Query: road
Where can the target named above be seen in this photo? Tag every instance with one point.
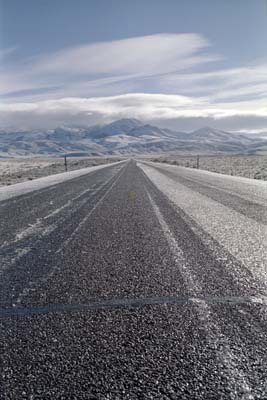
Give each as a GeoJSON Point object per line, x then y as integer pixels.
{"type": "Point", "coordinates": [135, 281]}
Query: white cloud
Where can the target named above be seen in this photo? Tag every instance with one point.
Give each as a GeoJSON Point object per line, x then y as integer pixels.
{"type": "Point", "coordinates": [143, 55]}
{"type": "Point", "coordinates": [228, 83]}
{"type": "Point", "coordinates": [139, 105]}
{"type": "Point", "coordinates": [99, 82]}
{"type": "Point", "coordinates": [134, 58]}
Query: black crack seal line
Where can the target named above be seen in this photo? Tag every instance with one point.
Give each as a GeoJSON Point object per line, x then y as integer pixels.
{"type": "Point", "coordinates": [128, 303]}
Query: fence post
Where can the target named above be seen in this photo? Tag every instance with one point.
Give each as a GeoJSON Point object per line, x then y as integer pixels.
{"type": "Point", "coordinates": [197, 161]}
{"type": "Point", "coordinates": [65, 163]}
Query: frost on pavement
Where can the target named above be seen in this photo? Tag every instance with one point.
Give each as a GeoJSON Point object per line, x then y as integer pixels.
{"type": "Point", "coordinates": [18, 189]}
{"type": "Point", "coordinates": [242, 236]}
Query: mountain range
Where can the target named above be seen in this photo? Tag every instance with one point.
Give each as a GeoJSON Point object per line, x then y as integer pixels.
{"type": "Point", "coordinates": [125, 136]}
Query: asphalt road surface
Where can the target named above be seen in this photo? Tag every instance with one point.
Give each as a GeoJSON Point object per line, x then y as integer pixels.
{"type": "Point", "coordinates": [135, 281]}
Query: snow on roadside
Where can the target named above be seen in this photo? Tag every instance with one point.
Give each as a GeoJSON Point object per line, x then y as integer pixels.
{"type": "Point", "coordinates": [18, 165]}
{"type": "Point", "coordinates": [247, 188]}
{"type": "Point", "coordinates": [18, 189]}
{"type": "Point", "coordinates": [241, 236]}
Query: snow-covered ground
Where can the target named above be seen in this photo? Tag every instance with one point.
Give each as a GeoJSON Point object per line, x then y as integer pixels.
{"type": "Point", "coordinates": [17, 165]}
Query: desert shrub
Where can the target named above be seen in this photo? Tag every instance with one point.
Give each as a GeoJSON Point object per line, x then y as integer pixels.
{"type": "Point", "coordinates": [258, 175]}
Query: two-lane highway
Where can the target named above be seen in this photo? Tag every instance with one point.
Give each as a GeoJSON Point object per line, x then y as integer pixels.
{"type": "Point", "coordinates": [135, 281]}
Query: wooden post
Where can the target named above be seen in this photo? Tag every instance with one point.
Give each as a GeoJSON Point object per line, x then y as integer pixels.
{"type": "Point", "coordinates": [65, 163]}
{"type": "Point", "coordinates": [197, 161]}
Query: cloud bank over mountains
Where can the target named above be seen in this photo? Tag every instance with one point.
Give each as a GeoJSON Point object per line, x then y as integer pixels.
{"type": "Point", "coordinates": [174, 78]}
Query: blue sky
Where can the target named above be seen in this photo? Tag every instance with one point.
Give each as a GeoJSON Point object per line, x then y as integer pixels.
{"type": "Point", "coordinates": [177, 63]}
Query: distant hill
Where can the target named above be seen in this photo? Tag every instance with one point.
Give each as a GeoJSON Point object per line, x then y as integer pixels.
{"type": "Point", "coordinates": [125, 136]}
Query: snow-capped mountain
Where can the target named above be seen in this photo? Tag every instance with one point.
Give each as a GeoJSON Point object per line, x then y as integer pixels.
{"type": "Point", "coordinates": [124, 136]}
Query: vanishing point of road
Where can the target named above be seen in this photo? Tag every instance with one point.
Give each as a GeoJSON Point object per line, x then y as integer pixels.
{"type": "Point", "coordinates": [135, 280]}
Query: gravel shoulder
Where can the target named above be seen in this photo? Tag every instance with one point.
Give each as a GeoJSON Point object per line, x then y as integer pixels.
{"type": "Point", "coordinates": [249, 166]}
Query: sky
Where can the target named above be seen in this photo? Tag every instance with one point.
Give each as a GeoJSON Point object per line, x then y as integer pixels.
{"type": "Point", "coordinates": [182, 64]}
